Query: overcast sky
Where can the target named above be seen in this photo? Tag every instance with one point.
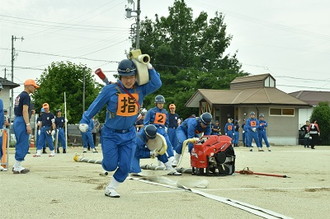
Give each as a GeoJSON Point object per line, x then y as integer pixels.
{"type": "Point", "coordinates": [289, 39]}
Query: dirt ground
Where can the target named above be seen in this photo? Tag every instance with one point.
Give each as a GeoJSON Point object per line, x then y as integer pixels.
{"type": "Point", "coordinates": [59, 187]}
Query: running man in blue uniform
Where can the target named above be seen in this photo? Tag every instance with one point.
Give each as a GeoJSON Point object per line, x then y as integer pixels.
{"type": "Point", "coordinates": [123, 100]}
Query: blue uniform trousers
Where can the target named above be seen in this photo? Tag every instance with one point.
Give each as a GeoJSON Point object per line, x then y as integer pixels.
{"type": "Point", "coordinates": [117, 151]}
{"type": "Point", "coordinates": [250, 136]}
{"type": "Point", "coordinates": [236, 138]}
{"type": "Point", "coordinates": [172, 136]}
{"type": "Point", "coordinates": [135, 165]}
{"type": "Point", "coordinates": [263, 135]}
{"type": "Point", "coordinates": [45, 137]}
{"type": "Point", "coordinates": [61, 138]}
{"type": "Point", "coordinates": [22, 138]}
{"type": "Point", "coordinates": [182, 136]}
{"type": "Point", "coordinates": [87, 138]}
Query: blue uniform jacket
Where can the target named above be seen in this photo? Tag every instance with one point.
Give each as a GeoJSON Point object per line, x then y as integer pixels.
{"type": "Point", "coordinates": [109, 96]}
{"type": "Point", "coordinates": [192, 128]}
{"type": "Point", "coordinates": [262, 125]}
{"type": "Point", "coordinates": [251, 123]}
{"type": "Point", "coordinates": [150, 117]}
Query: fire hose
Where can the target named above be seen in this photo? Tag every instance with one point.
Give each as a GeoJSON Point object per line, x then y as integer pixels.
{"type": "Point", "coordinates": [247, 171]}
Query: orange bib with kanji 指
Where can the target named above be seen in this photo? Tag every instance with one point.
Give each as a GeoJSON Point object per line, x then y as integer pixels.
{"type": "Point", "coordinates": [127, 105]}
{"type": "Point", "coordinates": [160, 118]}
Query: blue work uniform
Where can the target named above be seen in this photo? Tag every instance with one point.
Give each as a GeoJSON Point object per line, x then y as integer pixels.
{"type": "Point", "coordinates": [229, 130]}
{"type": "Point", "coordinates": [21, 135]}
{"type": "Point", "coordinates": [172, 126]}
{"type": "Point", "coordinates": [262, 132]}
{"type": "Point", "coordinates": [59, 122]}
{"type": "Point", "coordinates": [244, 134]}
{"type": "Point", "coordinates": [118, 133]}
{"type": "Point", "coordinates": [190, 128]}
{"type": "Point", "coordinates": [251, 127]}
{"type": "Point", "coordinates": [2, 122]}
{"type": "Point", "coordinates": [236, 134]}
{"type": "Point", "coordinates": [142, 151]}
{"type": "Point", "coordinates": [215, 129]}
{"type": "Point", "coordinates": [87, 137]}
{"type": "Point", "coordinates": [47, 120]}
{"type": "Point", "coordinates": [159, 118]}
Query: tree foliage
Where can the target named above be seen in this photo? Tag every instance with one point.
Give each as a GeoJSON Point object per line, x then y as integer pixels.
{"type": "Point", "coordinates": [321, 114]}
{"type": "Point", "coordinates": [189, 53]}
{"type": "Point", "coordinates": [67, 77]}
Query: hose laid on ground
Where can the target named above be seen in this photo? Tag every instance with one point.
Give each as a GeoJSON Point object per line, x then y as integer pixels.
{"type": "Point", "coordinates": [247, 171]}
{"type": "Point", "coordinates": [265, 213]}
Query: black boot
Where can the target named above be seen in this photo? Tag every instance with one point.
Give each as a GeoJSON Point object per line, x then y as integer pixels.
{"type": "Point", "coordinates": [64, 151]}
{"type": "Point", "coordinates": [44, 151]}
{"type": "Point", "coordinates": [58, 150]}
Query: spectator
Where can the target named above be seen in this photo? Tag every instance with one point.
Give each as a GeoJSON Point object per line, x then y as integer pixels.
{"type": "Point", "coordinates": [314, 131]}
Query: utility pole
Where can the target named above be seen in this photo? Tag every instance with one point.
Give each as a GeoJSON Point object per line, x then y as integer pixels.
{"type": "Point", "coordinates": [137, 15]}
{"type": "Point", "coordinates": [13, 38]}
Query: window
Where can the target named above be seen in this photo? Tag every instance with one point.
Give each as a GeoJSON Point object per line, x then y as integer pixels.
{"type": "Point", "coordinates": [269, 82]}
{"type": "Point", "coordinates": [281, 112]}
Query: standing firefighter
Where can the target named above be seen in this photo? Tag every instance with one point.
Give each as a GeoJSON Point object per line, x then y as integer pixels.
{"type": "Point", "coordinates": [252, 132]}
{"type": "Point", "coordinates": [22, 127]}
{"type": "Point", "coordinates": [47, 130]}
{"type": "Point", "coordinates": [123, 100]}
{"type": "Point", "coordinates": [60, 123]}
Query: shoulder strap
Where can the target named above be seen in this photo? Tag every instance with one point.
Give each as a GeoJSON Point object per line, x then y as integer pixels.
{"type": "Point", "coordinates": [129, 94]}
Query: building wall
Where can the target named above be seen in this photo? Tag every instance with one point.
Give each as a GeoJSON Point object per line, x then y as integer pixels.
{"type": "Point", "coordinates": [4, 95]}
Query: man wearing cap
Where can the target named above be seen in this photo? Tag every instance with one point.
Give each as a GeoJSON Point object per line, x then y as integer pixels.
{"type": "Point", "coordinates": [123, 100]}
{"type": "Point", "coordinates": [59, 123]}
{"type": "Point", "coordinates": [173, 123]}
{"type": "Point", "coordinates": [47, 131]}
{"type": "Point", "coordinates": [22, 127]}
{"type": "Point", "coordinates": [191, 128]}
{"type": "Point", "coordinates": [150, 144]}
{"type": "Point", "coordinates": [262, 135]}
{"type": "Point", "coordinates": [251, 128]}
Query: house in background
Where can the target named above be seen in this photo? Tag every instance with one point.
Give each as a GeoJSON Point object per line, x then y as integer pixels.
{"type": "Point", "coordinates": [5, 93]}
{"type": "Point", "coordinates": [313, 98]}
{"type": "Point", "coordinates": [256, 93]}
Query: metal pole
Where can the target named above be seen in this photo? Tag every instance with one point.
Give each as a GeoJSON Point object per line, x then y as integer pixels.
{"type": "Point", "coordinates": [84, 92]}
{"type": "Point", "coordinates": [65, 122]}
{"type": "Point", "coordinates": [138, 25]}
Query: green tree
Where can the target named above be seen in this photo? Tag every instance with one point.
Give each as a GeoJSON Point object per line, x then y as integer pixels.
{"type": "Point", "coordinates": [67, 77]}
{"type": "Point", "coordinates": [189, 53]}
{"type": "Point", "coordinates": [321, 114]}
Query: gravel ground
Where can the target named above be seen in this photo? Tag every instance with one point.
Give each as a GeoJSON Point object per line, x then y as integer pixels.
{"type": "Point", "coordinates": [59, 187]}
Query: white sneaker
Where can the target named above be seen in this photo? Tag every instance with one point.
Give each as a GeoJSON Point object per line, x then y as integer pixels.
{"type": "Point", "coordinates": [2, 168]}
{"type": "Point", "coordinates": [110, 192]}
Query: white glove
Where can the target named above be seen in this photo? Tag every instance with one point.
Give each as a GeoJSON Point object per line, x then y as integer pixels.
{"type": "Point", "coordinates": [83, 127]}
{"type": "Point", "coordinates": [153, 154]}
{"type": "Point", "coordinates": [39, 131]}
{"type": "Point", "coordinates": [53, 120]}
{"type": "Point", "coordinates": [254, 129]}
{"type": "Point", "coordinates": [66, 120]}
{"type": "Point", "coordinates": [149, 65]}
{"type": "Point", "coordinates": [243, 131]}
{"type": "Point", "coordinates": [53, 132]}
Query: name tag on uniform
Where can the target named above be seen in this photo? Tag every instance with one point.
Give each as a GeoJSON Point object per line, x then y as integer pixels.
{"type": "Point", "coordinates": [160, 118]}
{"type": "Point", "coordinates": [126, 105]}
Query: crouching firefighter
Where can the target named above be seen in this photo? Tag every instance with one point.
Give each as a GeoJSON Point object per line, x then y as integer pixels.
{"type": "Point", "coordinates": [150, 144]}
{"type": "Point", "coordinates": [191, 128]}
